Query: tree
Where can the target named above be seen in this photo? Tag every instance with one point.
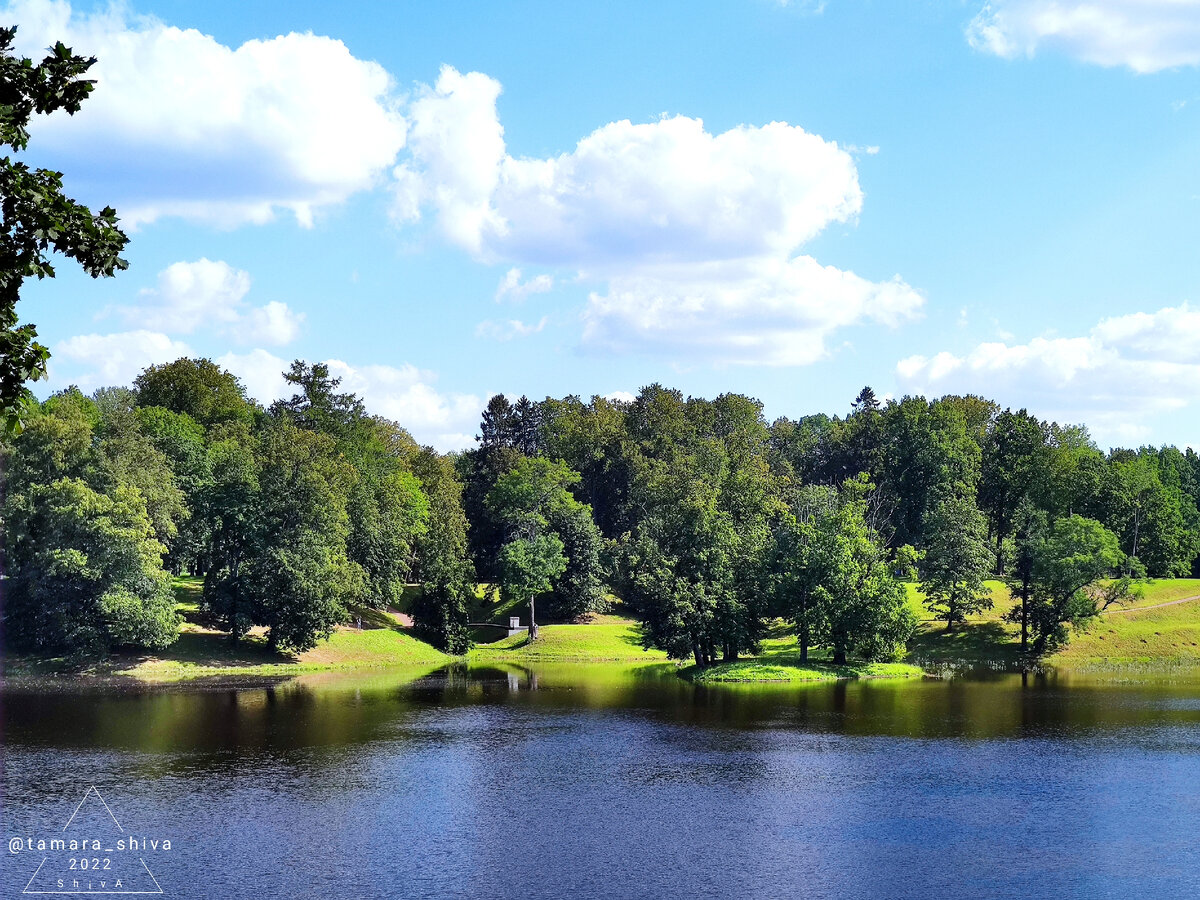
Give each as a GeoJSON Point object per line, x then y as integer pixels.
{"type": "Point", "coordinates": [866, 399]}
{"type": "Point", "coordinates": [1076, 553]}
{"type": "Point", "coordinates": [864, 605]}
{"type": "Point", "coordinates": [529, 567]}
{"type": "Point", "coordinates": [1030, 526]}
{"type": "Point", "coordinates": [957, 560]}
{"type": "Point", "coordinates": [534, 501]}
{"type": "Point", "coordinates": [317, 406]}
{"type": "Point", "coordinates": [440, 610]}
{"type": "Point", "coordinates": [84, 571]}
{"type": "Point", "coordinates": [500, 425]}
{"type": "Point", "coordinates": [1013, 468]}
{"type": "Point", "coordinates": [197, 388]}
{"type": "Point", "coordinates": [388, 515]}
{"type": "Point", "coordinates": [799, 563]}
{"type": "Point", "coordinates": [36, 217]}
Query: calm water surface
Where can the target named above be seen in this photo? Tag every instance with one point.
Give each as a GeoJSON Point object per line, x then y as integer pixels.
{"type": "Point", "coordinates": [569, 781]}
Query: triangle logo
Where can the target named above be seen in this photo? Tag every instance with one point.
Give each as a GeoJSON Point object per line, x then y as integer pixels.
{"type": "Point", "coordinates": [92, 854]}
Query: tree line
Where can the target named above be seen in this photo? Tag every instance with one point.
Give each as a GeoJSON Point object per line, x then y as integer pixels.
{"type": "Point", "coordinates": [699, 516]}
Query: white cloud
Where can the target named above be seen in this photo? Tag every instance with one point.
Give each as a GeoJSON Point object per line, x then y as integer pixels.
{"type": "Point", "coordinates": [274, 323]}
{"type": "Point", "coordinates": [694, 234]}
{"type": "Point", "coordinates": [261, 372]}
{"type": "Point", "coordinates": [182, 125]}
{"type": "Point", "coordinates": [506, 331]}
{"type": "Point", "coordinates": [98, 360]}
{"type": "Point", "coordinates": [1125, 371]}
{"type": "Point", "coordinates": [513, 288]}
{"type": "Point", "coordinates": [210, 294]}
{"type": "Point", "coordinates": [759, 311]}
{"type": "Point", "coordinates": [620, 397]}
{"type": "Point", "coordinates": [1143, 35]}
{"type": "Point", "coordinates": [191, 294]}
{"type": "Point", "coordinates": [404, 393]}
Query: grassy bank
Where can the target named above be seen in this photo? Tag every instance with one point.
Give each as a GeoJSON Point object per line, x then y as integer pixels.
{"type": "Point", "coordinates": [1144, 632]}
{"type": "Point", "coordinates": [606, 639]}
{"type": "Point", "coordinates": [203, 651]}
{"type": "Point", "coordinates": [1135, 632]}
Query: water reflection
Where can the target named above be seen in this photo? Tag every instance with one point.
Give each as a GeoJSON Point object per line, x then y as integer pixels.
{"type": "Point", "coordinates": [332, 709]}
{"type": "Point", "coordinates": [561, 780]}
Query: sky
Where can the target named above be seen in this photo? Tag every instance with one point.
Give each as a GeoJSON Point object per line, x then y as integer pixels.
{"type": "Point", "coordinates": [789, 200]}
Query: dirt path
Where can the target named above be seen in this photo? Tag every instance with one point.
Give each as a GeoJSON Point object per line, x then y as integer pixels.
{"type": "Point", "coordinates": [1129, 609]}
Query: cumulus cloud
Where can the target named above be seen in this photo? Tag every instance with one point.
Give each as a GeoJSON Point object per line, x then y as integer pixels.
{"type": "Point", "coordinates": [694, 234]}
{"type": "Point", "coordinates": [762, 310]}
{"type": "Point", "coordinates": [403, 393]}
{"type": "Point", "coordinates": [182, 125]}
{"type": "Point", "coordinates": [98, 360]}
{"type": "Point", "coordinates": [1143, 35]}
{"type": "Point", "coordinates": [210, 294]}
{"type": "Point", "coordinates": [512, 288]}
{"type": "Point", "coordinates": [506, 331]}
{"type": "Point", "coordinates": [1125, 370]}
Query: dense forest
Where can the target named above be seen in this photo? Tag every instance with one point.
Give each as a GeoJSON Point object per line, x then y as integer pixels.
{"type": "Point", "coordinates": [698, 516]}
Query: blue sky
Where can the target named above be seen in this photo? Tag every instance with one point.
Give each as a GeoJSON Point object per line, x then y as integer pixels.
{"type": "Point", "coordinates": [786, 200]}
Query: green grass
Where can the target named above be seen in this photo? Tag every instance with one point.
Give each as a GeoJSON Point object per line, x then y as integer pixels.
{"type": "Point", "coordinates": [1169, 634]}
{"type": "Point", "coordinates": [202, 651]}
{"type": "Point", "coordinates": [611, 639]}
{"type": "Point", "coordinates": [781, 669]}
{"type": "Point", "coordinates": [1165, 590]}
{"type": "Point", "coordinates": [1130, 633]}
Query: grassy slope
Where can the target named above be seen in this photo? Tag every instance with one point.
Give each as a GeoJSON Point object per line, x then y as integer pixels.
{"type": "Point", "coordinates": [607, 639]}
{"type": "Point", "coordinates": [202, 651]}
{"type": "Point", "coordinates": [1131, 633]}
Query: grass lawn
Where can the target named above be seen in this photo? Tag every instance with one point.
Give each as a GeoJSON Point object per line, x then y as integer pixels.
{"type": "Point", "coordinates": [608, 639]}
{"type": "Point", "coordinates": [783, 669]}
{"type": "Point", "coordinates": [1129, 633]}
{"type": "Point", "coordinates": [202, 650]}
{"type": "Point", "coordinates": [1166, 634]}
{"type": "Point", "coordinates": [779, 662]}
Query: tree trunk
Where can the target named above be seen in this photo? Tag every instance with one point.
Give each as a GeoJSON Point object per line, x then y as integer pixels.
{"type": "Point", "coordinates": [532, 620]}
{"type": "Point", "coordinates": [731, 653]}
{"type": "Point", "coordinates": [804, 640]}
{"type": "Point", "coordinates": [696, 652]}
{"type": "Point", "coordinates": [839, 656]}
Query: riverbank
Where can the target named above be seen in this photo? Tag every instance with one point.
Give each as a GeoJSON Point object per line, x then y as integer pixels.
{"type": "Point", "coordinates": [1161, 627]}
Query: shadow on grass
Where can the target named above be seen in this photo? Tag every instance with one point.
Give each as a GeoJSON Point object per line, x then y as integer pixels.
{"type": "Point", "coordinates": [978, 643]}
{"type": "Point", "coordinates": [216, 650]}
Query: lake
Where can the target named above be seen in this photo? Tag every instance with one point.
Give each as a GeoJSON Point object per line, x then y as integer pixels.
{"type": "Point", "coordinates": [588, 781]}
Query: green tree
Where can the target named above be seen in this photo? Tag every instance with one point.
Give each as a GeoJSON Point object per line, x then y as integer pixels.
{"type": "Point", "coordinates": [318, 406]}
{"type": "Point", "coordinates": [534, 501]}
{"type": "Point", "coordinates": [1030, 525]}
{"type": "Point", "coordinates": [1014, 463]}
{"type": "Point", "coordinates": [440, 610]}
{"type": "Point", "coordinates": [389, 513]}
{"type": "Point", "coordinates": [957, 560]}
{"type": "Point", "coordinates": [84, 571]}
{"type": "Point", "coordinates": [529, 567]}
{"type": "Point", "coordinates": [864, 605]}
{"type": "Point", "coordinates": [1074, 556]}
{"type": "Point", "coordinates": [197, 388]}
{"type": "Point", "coordinates": [36, 217]}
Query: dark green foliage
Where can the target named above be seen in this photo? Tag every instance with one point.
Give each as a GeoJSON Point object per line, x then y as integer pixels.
{"type": "Point", "coordinates": [282, 560]}
{"type": "Point", "coordinates": [957, 560]}
{"type": "Point", "coordinates": [443, 562]}
{"type": "Point", "coordinates": [534, 501]}
{"type": "Point", "coordinates": [36, 217]}
{"type": "Point", "coordinates": [197, 388]}
{"type": "Point", "coordinates": [388, 516]}
{"type": "Point", "coordinates": [84, 571]}
{"type": "Point", "coordinates": [1067, 562]}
